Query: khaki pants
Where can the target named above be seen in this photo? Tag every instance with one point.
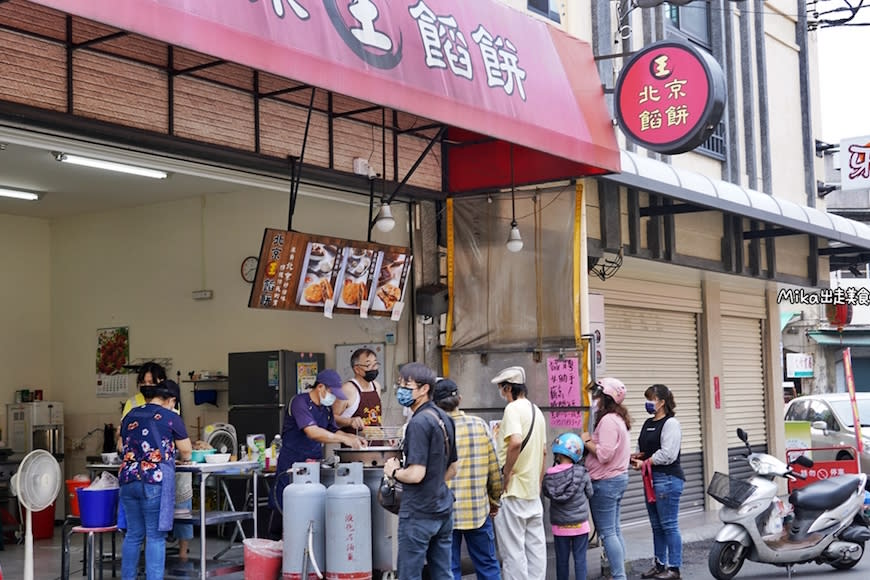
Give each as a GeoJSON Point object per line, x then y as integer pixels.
{"type": "Point", "coordinates": [519, 529]}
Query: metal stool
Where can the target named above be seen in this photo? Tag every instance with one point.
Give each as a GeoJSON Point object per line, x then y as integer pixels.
{"type": "Point", "coordinates": [90, 559]}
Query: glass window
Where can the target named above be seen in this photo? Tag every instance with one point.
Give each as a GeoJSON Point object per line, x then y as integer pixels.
{"type": "Point", "coordinates": [693, 20]}
{"type": "Point", "coordinates": [820, 411]}
{"type": "Point", "coordinates": [797, 411]}
{"type": "Point", "coordinates": [844, 412]}
{"type": "Point", "coordinates": [548, 8]}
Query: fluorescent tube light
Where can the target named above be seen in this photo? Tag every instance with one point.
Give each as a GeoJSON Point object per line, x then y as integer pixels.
{"type": "Point", "coordinates": [14, 193]}
{"type": "Point", "coordinates": [109, 165]}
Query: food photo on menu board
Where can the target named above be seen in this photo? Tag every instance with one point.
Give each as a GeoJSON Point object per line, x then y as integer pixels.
{"type": "Point", "coordinates": [391, 279]}
{"type": "Point", "coordinates": [320, 265]}
{"type": "Point", "coordinates": [355, 277]}
{"type": "Point", "coordinates": [298, 271]}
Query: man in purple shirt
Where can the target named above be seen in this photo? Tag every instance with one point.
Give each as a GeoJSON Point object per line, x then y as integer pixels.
{"type": "Point", "coordinates": [308, 424]}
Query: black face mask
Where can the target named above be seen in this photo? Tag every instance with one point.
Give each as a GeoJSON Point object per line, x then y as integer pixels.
{"type": "Point", "coordinates": [371, 375]}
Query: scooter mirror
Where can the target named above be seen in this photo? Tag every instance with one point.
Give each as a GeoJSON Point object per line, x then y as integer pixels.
{"type": "Point", "coordinates": [742, 435]}
{"type": "Point", "coordinates": [803, 461]}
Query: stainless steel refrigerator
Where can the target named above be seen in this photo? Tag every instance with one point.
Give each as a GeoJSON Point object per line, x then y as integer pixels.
{"type": "Point", "coordinates": [261, 384]}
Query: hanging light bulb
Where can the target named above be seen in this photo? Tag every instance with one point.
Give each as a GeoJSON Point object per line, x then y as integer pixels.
{"type": "Point", "coordinates": [514, 241]}
{"type": "Point", "coordinates": [385, 221]}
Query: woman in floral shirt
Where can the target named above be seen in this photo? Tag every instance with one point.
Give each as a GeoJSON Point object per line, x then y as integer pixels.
{"type": "Point", "coordinates": [150, 434]}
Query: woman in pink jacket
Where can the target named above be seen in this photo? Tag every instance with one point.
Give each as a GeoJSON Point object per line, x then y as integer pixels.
{"type": "Point", "coordinates": [607, 464]}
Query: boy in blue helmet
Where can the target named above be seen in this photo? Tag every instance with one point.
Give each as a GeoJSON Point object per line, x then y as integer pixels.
{"type": "Point", "coordinates": [569, 488]}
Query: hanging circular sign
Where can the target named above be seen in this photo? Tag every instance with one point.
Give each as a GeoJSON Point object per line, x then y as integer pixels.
{"type": "Point", "coordinates": [670, 96]}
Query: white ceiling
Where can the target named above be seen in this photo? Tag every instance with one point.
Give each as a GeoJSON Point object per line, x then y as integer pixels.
{"type": "Point", "coordinates": [26, 163]}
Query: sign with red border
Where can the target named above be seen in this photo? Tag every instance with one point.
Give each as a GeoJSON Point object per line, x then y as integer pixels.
{"type": "Point", "coordinates": [670, 96]}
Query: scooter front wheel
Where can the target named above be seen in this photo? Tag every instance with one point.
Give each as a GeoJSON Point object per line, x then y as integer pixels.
{"type": "Point", "coordinates": [726, 559]}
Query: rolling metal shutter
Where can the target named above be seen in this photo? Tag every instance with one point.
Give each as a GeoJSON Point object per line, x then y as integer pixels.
{"type": "Point", "coordinates": [743, 380]}
{"type": "Point", "coordinates": [645, 347]}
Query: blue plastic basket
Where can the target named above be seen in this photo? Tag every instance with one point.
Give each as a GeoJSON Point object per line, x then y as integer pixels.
{"type": "Point", "coordinates": [98, 507]}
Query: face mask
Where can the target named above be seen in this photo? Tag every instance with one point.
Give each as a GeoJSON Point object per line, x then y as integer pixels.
{"type": "Point", "coordinates": [371, 375]}
{"type": "Point", "coordinates": [650, 407]}
{"type": "Point", "coordinates": [404, 396]}
{"type": "Point", "coordinates": [327, 400]}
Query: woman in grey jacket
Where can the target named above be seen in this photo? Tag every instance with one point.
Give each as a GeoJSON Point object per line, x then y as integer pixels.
{"type": "Point", "coordinates": [568, 486]}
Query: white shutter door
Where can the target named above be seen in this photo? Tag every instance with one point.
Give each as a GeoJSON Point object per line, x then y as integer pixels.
{"type": "Point", "coordinates": [743, 379]}
{"type": "Point", "coordinates": [645, 347]}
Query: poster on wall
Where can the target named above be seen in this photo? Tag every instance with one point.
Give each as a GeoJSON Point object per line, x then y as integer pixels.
{"type": "Point", "coordinates": [563, 386]}
{"type": "Point", "coordinates": [113, 352]}
{"type": "Point", "coordinates": [314, 273]}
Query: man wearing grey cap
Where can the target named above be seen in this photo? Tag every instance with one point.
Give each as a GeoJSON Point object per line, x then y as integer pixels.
{"type": "Point", "coordinates": [522, 440]}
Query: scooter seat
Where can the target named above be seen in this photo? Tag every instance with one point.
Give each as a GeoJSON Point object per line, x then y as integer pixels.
{"type": "Point", "coordinates": [825, 494]}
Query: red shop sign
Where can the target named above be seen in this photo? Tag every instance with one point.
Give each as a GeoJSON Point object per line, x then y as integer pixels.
{"type": "Point", "coordinates": [670, 96]}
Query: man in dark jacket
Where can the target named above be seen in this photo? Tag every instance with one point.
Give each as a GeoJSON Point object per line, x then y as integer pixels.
{"type": "Point", "coordinates": [426, 512]}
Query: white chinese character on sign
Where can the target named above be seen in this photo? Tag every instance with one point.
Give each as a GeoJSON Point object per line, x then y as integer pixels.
{"type": "Point", "coordinates": [295, 6]}
{"type": "Point", "coordinates": [501, 62]}
{"type": "Point", "coordinates": [366, 13]}
{"type": "Point", "coordinates": [427, 22]}
{"type": "Point", "coordinates": [443, 42]}
{"type": "Point", "coordinates": [455, 47]}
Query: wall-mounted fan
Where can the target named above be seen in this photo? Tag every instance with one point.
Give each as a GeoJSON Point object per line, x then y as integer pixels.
{"type": "Point", "coordinates": [222, 436]}
{"type": "Point", "coordinates": [36, 484]}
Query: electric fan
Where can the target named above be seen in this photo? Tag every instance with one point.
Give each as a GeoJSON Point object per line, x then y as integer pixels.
{"type": "Point", "coordinates": [36, 483]}
{"type": "Point", "coordinates": [222, 436]}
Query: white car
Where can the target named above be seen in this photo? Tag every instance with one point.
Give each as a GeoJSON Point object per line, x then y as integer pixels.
{"type": "Point", "coordinates": [830, 416]}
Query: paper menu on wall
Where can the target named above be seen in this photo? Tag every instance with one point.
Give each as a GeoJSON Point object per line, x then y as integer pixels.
{"type": "Point", "coordinates": [563, 387]}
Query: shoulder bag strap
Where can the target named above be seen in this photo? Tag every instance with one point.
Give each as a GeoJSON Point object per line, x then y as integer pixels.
{"type": "Point", "coordinates": [444, 431]}
{"type": "Point", "coordinates": [531, 427]}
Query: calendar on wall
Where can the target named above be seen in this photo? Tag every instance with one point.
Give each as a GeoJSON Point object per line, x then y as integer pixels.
{"type": "Point", "coordinates": [112, 354]}
{"type": "Point", "coordinates": [112, 385]}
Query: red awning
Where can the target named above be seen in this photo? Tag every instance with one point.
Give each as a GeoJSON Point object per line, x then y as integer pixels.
{"type": "Point", "coordinates": [494, 75]}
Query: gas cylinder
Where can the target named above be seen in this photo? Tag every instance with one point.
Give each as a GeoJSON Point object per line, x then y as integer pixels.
{"type": "Point", "coordinates": [348, 525]}
{"type": "Point", "coordinates": [304, 514]}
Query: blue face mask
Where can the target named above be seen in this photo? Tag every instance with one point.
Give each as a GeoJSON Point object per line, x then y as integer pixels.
{"type": "Point", "coordinates": [327, 400]}
{"type": "Point", "coordinates": [650, 407]}
{"type": "Point", "coordinates": [405, 396]}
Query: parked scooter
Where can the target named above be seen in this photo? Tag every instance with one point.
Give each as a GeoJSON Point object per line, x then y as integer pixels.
{"type": "Point", "coordinates": [828, 525]}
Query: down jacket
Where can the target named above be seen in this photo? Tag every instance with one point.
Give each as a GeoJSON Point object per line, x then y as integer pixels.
{"type": "Point", "coordinates": [569, 492]}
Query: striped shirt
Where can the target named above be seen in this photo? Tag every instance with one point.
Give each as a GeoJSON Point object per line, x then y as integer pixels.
{"type": "Point", "coordinates": [478, 477]}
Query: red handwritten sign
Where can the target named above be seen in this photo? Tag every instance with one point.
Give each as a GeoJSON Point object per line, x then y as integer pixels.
{"type": "Point", "coordinates": [563, 385]}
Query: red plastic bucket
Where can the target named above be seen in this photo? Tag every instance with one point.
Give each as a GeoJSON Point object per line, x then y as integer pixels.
{"type": "Point", "coordinates": [263, 559]}
{"type": "Point", "coordinates": [71, 486]}
{"type": "Point", "coordinates": [43, 523]}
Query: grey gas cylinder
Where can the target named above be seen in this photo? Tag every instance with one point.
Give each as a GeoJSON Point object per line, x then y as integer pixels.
{"type": "Point", "coordinates": [304, 509]}
{"type": "Point", "coordinates": [348, 525]}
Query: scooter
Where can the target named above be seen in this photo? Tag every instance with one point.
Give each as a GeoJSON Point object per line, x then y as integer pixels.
{"type": "Point", "coordinates": [828, 525]}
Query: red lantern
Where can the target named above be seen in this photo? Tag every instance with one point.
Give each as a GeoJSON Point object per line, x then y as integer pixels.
{"type": "Point", "coordinates": [838, 315]}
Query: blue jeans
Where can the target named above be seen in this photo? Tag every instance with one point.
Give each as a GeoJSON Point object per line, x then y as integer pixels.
{"type": "Point", "coordinates": [663, 513]}
{"type": "Point", "coordinates": [480, 544]}
{"type": "Point", "coordinates": [605, 505]}
{"type": "Point", "coordinates": [567, 546]}
{"type": "Point", "coordinates": [183, 531]}
{"type": "Point", "coordinates": [425, 540]}
{"type": "Point", "coordinates": [142, 506]}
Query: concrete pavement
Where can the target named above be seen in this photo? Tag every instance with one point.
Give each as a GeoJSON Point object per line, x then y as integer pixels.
{"type": "Point", "coordinates": [696, 528]}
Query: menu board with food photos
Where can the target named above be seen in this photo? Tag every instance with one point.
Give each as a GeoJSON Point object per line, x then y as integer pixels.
{"type": "Point", "coordinates": [315, 273]}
